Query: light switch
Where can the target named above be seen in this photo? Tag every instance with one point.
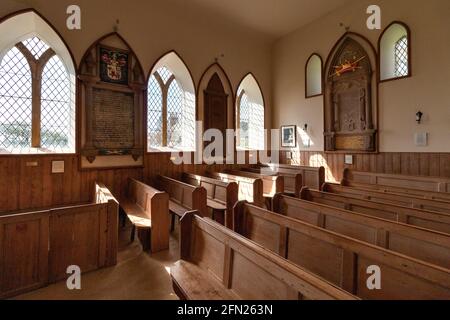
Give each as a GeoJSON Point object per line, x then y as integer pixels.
{"type": "Point", "coordinates": [57, 166]}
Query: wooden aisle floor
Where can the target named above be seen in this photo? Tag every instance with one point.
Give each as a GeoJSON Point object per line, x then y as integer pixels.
{"type": "Point", "coordinates": [137, 276]}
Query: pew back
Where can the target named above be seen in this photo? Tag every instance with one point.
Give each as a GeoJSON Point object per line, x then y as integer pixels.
{"type": "Point", "coordinates": [437, 221]}
{"type": "Point", "coordinates": [239, 268]}
{"type": "Point", "coordinates": [433, 184]}
{"type": "Point", "coordinates": [185, 195]}
{"type": "Point", "coordinates": [390, 198]}
{"type": "Point", "coordinates": [423, 244]}
{"type": "Point", "coordinates": [342, 260]}
{"type": "Point", "coordinates": [271, 184]}
{"type": "Point", "coordinates": [217, 190]}
{"type": "Point", "coordinates": [293, 182]}
{"type": "Point", "coordinates": [250, 189]}
{"type": "Point", "coordinates": [312, 177]}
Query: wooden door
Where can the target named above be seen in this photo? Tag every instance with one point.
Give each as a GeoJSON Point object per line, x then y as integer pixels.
{"type": "Point", "coordinates": [216, 108]}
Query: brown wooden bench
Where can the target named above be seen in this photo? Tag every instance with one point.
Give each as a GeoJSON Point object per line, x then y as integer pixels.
{"type": "Point", "coordinates": [293, 181]}
{"type": "Point", "coordinates": [218, 264]}
{"type": "Point", "coordinates": [362, 182]}
{"type": "Point", "coordinates": [250, 189]}
{"type": "Point", "coordinates": [271, 184]}
{"type": "Point", "coordinates": [389, 198]}
{"type": "Point", "coordinates": [148, 211]}
{"type": "Point", "coordinates": [437, 221]}
{"type": "Point", "coordinates": [37, 246]}
{"type": "Point", "coordinates": [183, 197]}
{"type": "Point", "coordinates": [342, 260]}
{"type": "Point", "coordinates": [422, 244]}
{"type": "Point", "coordinates": [432, 184]}
{"type": "Point", "coordinates": [222, 196]}
{"type": "Point", "coordinates": [312, 177]}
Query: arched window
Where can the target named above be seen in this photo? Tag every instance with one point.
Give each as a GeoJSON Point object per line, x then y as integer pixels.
{"type": "Point", "coordinates": [313, 76]}
{"type": "Point", "coordinates": [250, 115]}
{"type": "Point", "coordinates": [37, 89]}
{"type": "Point", "coordinates": [394, 47]}
{"type": "Point", "coordinates": [171, 106]}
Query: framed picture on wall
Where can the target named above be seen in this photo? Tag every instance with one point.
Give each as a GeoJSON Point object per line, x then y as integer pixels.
{"type": "Point", "coordinates": [289, 136]}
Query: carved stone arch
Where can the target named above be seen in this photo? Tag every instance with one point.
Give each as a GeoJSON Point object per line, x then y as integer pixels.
{"type": "Point", "coordinates": [112, 85]}
{"type": "Point", "coordinates": [351, 97]}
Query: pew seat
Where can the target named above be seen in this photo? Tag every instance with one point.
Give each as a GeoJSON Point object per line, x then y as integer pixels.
{"type": "Point", "coordinates": [193, 283]}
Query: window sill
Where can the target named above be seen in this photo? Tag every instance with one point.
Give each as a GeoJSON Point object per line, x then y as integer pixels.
{"type": "Point", "coordinates": [35, 152]}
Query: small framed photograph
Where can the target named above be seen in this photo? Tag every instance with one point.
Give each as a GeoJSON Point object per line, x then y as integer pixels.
{"type": "Point", "coordinates": [289, 136]}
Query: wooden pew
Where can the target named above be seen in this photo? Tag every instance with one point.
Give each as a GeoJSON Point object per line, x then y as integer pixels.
{"type": "Point", "coordinates": [431, 220]}
{"type": "Point", "coordinates": [148, 210]}
{"type": "Point", "coordinates": [293, 182]}
{"type": "Point", "coordinates": [183, 197]}
{"type": "Point", "coordinates": [271, 184]}
{"type": "Point", "coordinates": [218, 264]}
{"type": "Point", "coordinates": [389, 198]}
{"type": "Point", "coordinates": [36, 247]}
{"type": "Point", "coordinates": [422, 244]}
{"type": "Point", "coordinates": [250, 189]}
{"type": "Point", "coordinates": [433, 184]}
{"type": "Point", "coordinates": [342, 260]}
{"type": "Point", "coordinates": [312, 177]}
{"type": "Point", "coordinates": [370, 182]}
{"type": "Point", "coordinates": [222, 196]}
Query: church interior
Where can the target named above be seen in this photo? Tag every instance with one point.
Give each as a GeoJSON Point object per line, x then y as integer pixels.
{"type": "Point", "coordinates": [224, 150]}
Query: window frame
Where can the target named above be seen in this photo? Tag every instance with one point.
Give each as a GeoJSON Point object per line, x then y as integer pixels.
{"type": "Point", "coordinates": [408, 38]}
{"type": "Point", "coordinates": [164, 87]}
{"type": "Point", "coordinates": [37, 68]}
{"type": "Point", "coordinates": [314, 54]}
{"type": "Point", "coordinates": [240, 95]}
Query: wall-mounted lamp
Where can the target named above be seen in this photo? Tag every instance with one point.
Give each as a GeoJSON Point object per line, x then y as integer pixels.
{"type": "Point", "coordinates": [419, 116]}
{"type": "Point", "coordinates": [305, 127]}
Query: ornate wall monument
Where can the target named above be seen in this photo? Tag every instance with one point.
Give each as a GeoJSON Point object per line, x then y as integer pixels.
{"type": "Point", "coordinates": [351, 97]}
{"type": "Point", "coordinates": [112, 86]}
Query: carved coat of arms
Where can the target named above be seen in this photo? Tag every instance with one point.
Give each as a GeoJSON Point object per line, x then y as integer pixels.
{"type": "Point", "coordinates": [113, 66]}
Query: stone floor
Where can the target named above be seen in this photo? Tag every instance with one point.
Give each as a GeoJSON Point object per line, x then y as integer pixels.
{"type": "Point", "coordinates": [137, 276]}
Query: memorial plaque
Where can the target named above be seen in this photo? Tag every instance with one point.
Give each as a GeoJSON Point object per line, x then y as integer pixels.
{"type": "Point", "coordinates": [113, 127]}
{"type": "Point", "coordinates": [351, 143]}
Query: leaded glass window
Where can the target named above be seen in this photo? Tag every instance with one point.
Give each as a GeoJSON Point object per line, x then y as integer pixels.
{"type": "Point", "coordinates": [401, 57]}
{"type": "Point", "coordinates": [40, 120]}
{"type": "Point", "coordinates": [170, 113]}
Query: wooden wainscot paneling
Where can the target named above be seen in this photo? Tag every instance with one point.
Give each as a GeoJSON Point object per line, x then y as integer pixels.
{"type": "Point", "coordinates": [409, 163]}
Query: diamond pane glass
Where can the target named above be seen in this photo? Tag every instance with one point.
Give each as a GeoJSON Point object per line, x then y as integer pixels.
{"type": "Point", "coordinates": [56, 113]}
{"type": "Point", "coordinates": [244, 122]}
{"type": "Point", "coordinates": [165, 74]}
{"type": "Point", "coordinates": [15, 102]}
{"type": "Point", "coordinates": [251, 124]}
{"type": "Point", "coordinates": [36, 46]}
{"type": "Point", "coordinates": [154, 114]}
{"type": "Point", "coordinates": [175, 115]}
{"type": "Point", "coordinates": [401, 57]}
